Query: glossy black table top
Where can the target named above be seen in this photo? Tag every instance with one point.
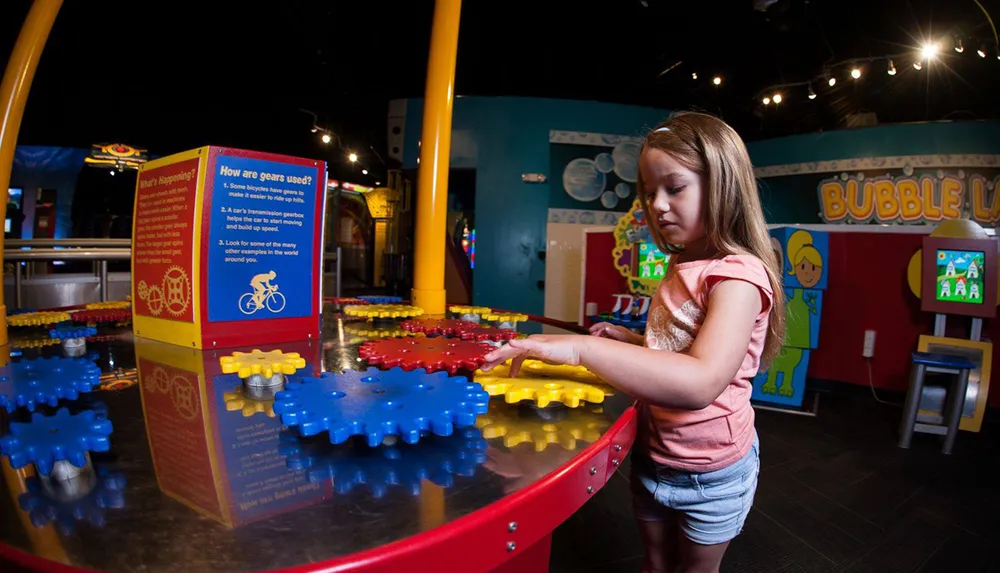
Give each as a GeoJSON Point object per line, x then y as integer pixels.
{"type": "Point", "coordinates": [199, 478]}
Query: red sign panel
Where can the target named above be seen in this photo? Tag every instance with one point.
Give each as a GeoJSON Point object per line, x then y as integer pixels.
{"type": "Point", "coordinates": [164, 241]}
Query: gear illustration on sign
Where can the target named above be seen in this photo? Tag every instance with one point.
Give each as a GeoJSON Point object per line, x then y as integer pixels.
{"type": "Point", "coordinates": [185, 397]}
{"type": "Point", "coordinates": [430, 354]}
{"type": "Point", "coordinates": [142, 289]}
{"type": "Point", "coordinates": [155, 300]}
{"type": "Point", "coordinates": [107, 492]}
{"type": "Point", "coordinates": [516, 425]}
{"type": "Point", "coordinates": [532, 383]}
{"type": "Point", "coordinates": [50, 439]}
{"type": "Point", "coordinates": [177, 288]}
{"type": "Point", "coordinates": [30, 383]}
{"type": "Point", "coordinates": [378, 403]}
{"type": "Point", "coordinates": [156, 381]}
{"type": "Point", "coordinates": [435, 458]}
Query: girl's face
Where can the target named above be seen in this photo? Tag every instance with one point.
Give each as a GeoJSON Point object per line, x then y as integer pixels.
{"type": "Point", "coordinates": [673, 193]}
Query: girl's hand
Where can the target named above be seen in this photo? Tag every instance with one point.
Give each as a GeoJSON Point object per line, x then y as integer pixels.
{"type": "Point", "coordinates": [615, 332]}
{"type": "Point", "coordinates": [552, 348]}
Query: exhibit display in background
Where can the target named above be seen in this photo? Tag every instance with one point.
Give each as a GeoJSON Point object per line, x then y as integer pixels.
{"type": "Point", "coordinates": [803, 257]}
{"type": "Point", "coordinates": [635, 256]}
{"type": "Point", "coordinates": [959, 276]}
{"type": "Point", "coordinates": [593, 176]}
{"type": "Point", "coordinates": [256, 219]}
{"type": "Point", "coordinates": [932, 400]}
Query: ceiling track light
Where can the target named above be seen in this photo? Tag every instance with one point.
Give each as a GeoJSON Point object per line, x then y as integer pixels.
{"type": "Point", "coordinates": [958, 46]}
{"type": "Point", "coordinates": [812, 94]}
{"type": "Point", "coordinates": [717, 80]}
{"type": "Point", "coordinates": [856, 73]}
{"type": "Point", "coordinates": [981, 52]}
{"type": "Point", "coordinates": [832, 81]}
{"type": "Point", "coordinates": [917, 65]}
{"type": "Point", "coordinates": [776, 98]}
{"type": "Point", "coordinates": [766, 100]}
{"type": "Point", "coordinates": [892, 69]}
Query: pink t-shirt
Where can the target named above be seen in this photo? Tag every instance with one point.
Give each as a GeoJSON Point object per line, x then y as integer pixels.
{"type": "Point", "coordinates": [714, 437]}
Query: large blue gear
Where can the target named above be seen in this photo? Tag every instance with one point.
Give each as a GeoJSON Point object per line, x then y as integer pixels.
{"type": "Point", "coordinates": [28, 383]}
{"type": "Point", "coordinates": [377, 403]}
{"type": "Point", "coordinates": [437, 459]}
{"type": "Point", "coordinates": [108, 492]}
{"type": "Point", "coordinates": [49, 439]}
{"type": "Point", "coordinates": [69, 332]}
{"type": "Point", "coordinates": [373, 299]}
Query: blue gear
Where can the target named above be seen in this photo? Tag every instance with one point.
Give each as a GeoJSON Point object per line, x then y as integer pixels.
{"type": "Point", "coordinates": [48, 439]}
{"type": "Point", "coordinates": [64, 332]}
{"type": "Point", "coordinates": [108, 492]}
{"type": "Point", "coordinates": [28, 383]}
{"type": "Point", "coordinates": [627, 323]}
{"type": "Point", "coordinates": [437, 459]}
{"type": "Point", "coordinates": [374, 299]}
{"type": "Point", "coordinates": [376, 403]}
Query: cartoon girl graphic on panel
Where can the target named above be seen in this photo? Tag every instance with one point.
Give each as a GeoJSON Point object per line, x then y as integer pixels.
{"type": "Point", "coordinates": [805, 259]}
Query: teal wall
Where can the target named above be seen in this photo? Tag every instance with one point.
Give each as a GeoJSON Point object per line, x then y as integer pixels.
{"type": "Point", "coordinates": [794, 198]}
{"type": "Point", "coordinates": [502, 138]}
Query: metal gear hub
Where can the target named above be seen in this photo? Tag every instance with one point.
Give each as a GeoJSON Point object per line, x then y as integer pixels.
{"type": "Point", "coordinates": [28, 383]}
{"type": "Point", "coordinates": [430, 354]}
{"type": "Point", "coordinates": [50, 439]}
{"type": "Point", "coordinates": [376, 404]}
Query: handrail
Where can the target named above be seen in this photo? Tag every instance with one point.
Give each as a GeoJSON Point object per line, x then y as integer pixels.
{"type": "Point", "coordinates": [67, 254]}
{"type": "Point", "coordinates": [72, 243]}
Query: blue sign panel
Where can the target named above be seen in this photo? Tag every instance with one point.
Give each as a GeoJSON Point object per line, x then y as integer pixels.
{"type": "Point", "coordinates": [261, 237]}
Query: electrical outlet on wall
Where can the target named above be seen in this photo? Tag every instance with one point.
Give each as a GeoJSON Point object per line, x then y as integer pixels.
{"type": "Point", "coordinates": [868, 350]}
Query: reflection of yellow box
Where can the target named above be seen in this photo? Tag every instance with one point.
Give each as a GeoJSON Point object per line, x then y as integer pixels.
{"type": "Point", "coordinates": [980, 354]}
{"type": "Point", "coordinates": [220, 463]}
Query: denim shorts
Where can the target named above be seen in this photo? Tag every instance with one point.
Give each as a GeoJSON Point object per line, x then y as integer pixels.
{"type": "Point", "coordinates": [709, 507]}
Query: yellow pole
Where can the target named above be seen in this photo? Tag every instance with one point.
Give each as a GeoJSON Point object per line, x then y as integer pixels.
{"type": "Point", "coordinates": [14, 91]}
{"type": "Point", "coordinates": [432, 180]}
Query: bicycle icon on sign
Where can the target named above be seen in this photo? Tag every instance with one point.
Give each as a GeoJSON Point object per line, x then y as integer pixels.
{"type": "Point", "coordinates": [265, 295]}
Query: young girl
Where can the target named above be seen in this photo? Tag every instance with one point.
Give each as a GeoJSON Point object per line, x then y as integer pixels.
{"type": "Point", "coordinates": [717, 315]}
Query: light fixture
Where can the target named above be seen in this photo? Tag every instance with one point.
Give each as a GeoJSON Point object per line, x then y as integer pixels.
{"type": "Point", "coordinates": [694, 75]}
{"type": "Point", "coordinates": [364, 172]}
{"type": "Point", "coordinates": [776, 98]}
{"type": "Point", "coordinates": [352, 157]}
{"type": "Point", "coordinates": [378, 182]}
{"type": "Point", "coordinates": [112, 172]}
{"type": "Point", "coordinates": [981, 52]}
{"type": "Point", "coordinates": [326, 138]}
{"type": "Point", "coordinates": [928, 51]}
{"type": "Point", "coordinates": [314, 129]}
{"type": "Point", "coordinates": [856, 73]}
{"type": "Point", "coordinates": [812, 94]}
{"type": "Point", "coordinates": [958, 46]}
{"type": "Point", "coordinates": [917, 65]}
{"type": "Point", "coordinates": [892, 69]}
{"type": "Point", "coordinates": [766, 100]}
{"type": "Point", "coordinates": [717, 80]}
{"type": "Point", "coordinates": [832, 82]}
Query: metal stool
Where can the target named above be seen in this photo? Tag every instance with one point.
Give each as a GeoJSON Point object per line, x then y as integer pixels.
{"type": "Point", "coordinates": [945, 364]}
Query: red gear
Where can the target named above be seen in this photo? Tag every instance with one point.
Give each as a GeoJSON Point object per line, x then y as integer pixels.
{"type": "Point", "coordinates": [344, 301]}
{"type": "Point", "coordinates": [431, 354]}
{"type": "Point", "coordinates": [484, 333]}
{"type": "Point", "coordinates": [102, 315]}
{"type": "Point", "coordinates": [441, 326]}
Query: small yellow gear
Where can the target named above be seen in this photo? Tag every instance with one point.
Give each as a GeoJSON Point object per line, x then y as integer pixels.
{"type": "Point", "coordinates": [383, 310]}
{"type": "Point", "coordinates": [235, 400]}
{"type": "Point", "coordinates": [369, 330]}
{"type": "Point", "coordinates": [507, 422]}
{"type": "Point", "coordinates": [37, 318]}
{"type": "Point", "coordinates": [545, 384]}
{"type": "Point", "coordinates": [177, 289]}
{"type": "Point", "coordinates": [142, 289]}
{"type": "Point", "coordinates": [109, 304]}
{"type": "Point", "coordinates": [459, 309]}
{"type": "Point", "coordinates": [505, 317]}
{"type": "Point", "coordinates": [246, 364]}
{"type": "Point", "coordinates": [33, 342]}
{"type": "Point", "coordinates": [155, 300]}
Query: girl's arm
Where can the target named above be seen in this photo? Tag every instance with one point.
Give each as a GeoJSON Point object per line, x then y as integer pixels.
{"type": "Point", "coordinates": [689, 381]}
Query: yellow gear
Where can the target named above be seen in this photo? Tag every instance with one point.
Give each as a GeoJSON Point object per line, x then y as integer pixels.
{"type": "Point", "coordinates": [37, 318]}
{"type": "Point", "coordinates": [505, 317]}
{"type": "Point", "coordinates": [235, 400]}
{"type": "Point", "coordinates": [369, 330]}
{"type": "Point", "coordinates": [109, 304]}
{"type": "Point", "coordinates": [264, 363]}
{"type": "Point", "coordinates": [459, 309]}
{"type": "Point", "coordinates": [505, 421]}
{"type": "Point", "coordinates": [383, 310]}
{"type": "Point", "coordinates": [545, 384]}
{"type": "Point", "coordinates": [33, 342]}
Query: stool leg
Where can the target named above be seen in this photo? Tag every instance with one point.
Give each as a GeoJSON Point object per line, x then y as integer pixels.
{"type": "Point", "coordinates": [912, 405]}
{"type": "Point", "coordinates": [954, 406]}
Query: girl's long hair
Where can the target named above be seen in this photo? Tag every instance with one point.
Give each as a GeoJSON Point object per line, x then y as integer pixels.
{"type": "Point", "coordinates": [734, 220]}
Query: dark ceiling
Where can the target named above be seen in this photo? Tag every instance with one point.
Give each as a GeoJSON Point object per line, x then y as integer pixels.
{"type": "Point", "coordinates": [174, 75]}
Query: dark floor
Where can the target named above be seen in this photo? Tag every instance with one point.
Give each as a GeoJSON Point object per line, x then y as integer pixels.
{"type": "Point", "coordinates": [835, 494]}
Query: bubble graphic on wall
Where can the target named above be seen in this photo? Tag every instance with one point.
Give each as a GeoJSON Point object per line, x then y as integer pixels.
{"type": "Point", "coordinates": [609, 199]}
{"type": "Point", "coordinates": [623, 190]}
{"type": "Point", "coordinates": [626, 156]}
{"type": "Point", "coordinates": [587, 218]}
{"type": "Point", "coordinates": [582, 180]}
{"type": "Point", "coordinates": [605, 163]}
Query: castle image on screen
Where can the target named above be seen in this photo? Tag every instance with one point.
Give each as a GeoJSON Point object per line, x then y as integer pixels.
{"type": "Point", "coordinates": [960, 276]}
